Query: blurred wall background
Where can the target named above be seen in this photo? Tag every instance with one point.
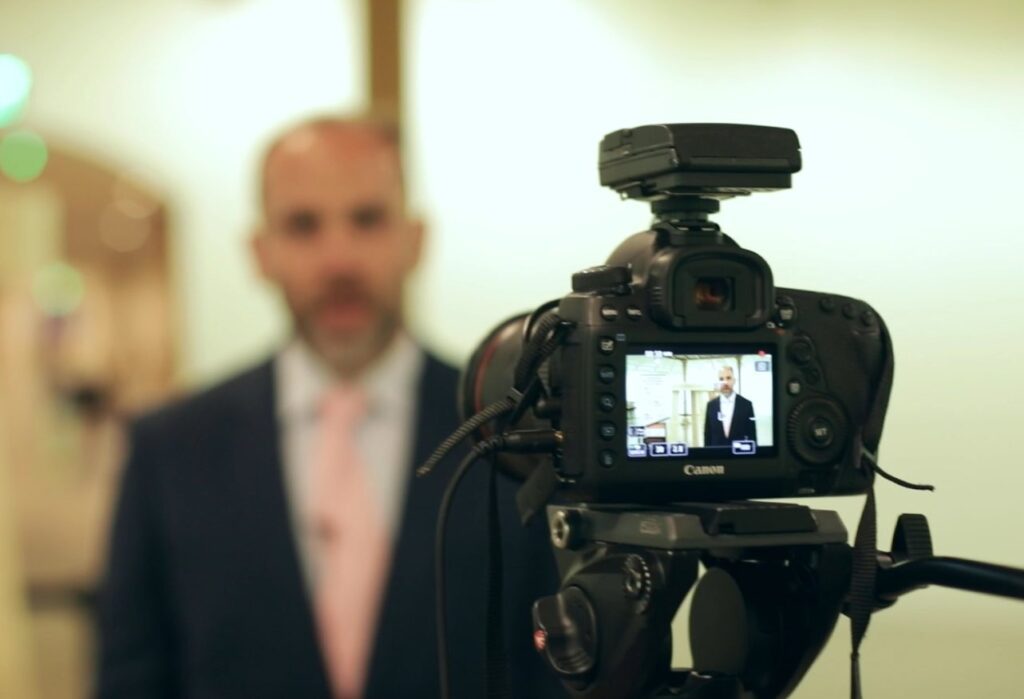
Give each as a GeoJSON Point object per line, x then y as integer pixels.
{"type": "Point", "coordinates": [908, 114]}
{"type": "Point", "coordinates": [182, 94]}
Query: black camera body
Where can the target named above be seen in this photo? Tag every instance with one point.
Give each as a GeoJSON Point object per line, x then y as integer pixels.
{"type": "Point", "coordinates": [683, 373]}
{"type": "Point", "coordinates": [821, 357]}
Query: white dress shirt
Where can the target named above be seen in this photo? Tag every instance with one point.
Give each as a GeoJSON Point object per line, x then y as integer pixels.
{"type": "Point", "coordinates": [384, 438]}
{"type": "Point", "coordinates": [726, 407]}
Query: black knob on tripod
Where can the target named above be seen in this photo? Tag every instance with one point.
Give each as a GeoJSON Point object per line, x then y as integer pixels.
{"type": "Point", "coordinates": [912, 538]}
{"type": "Point", "coordinates": [565, 631]}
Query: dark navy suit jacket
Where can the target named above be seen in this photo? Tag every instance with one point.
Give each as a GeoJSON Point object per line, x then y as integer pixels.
{"type": "Point", "coordinates": [741, 427]}
{"type": "Point", "coordinates": [204, 596]}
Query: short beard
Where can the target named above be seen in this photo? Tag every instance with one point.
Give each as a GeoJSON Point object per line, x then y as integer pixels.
{"type": "Point", "coordinates": [349, 355]}
{"type": "Point", "coordinates": [346, 353]}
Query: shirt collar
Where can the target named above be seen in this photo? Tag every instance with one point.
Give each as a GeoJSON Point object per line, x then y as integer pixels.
{"type": "Point", "coordinates": [302, 378]}
{"type": "Point", "coordinates": [728, 398]}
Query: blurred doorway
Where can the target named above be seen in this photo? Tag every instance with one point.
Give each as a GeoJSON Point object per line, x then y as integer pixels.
{"type": "Point", "coordinates": [86, 338]}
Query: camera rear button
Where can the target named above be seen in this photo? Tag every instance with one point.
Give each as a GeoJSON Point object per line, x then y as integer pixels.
{"type": "Point", "coordinates": [787, 314]}
{"type": "Point", "coordinates": [801, 352]}
{"type": "Point", "coordinates": [794, 387]}
{"type": "Point", "coordinates": [609, 312]}
{"type": "Point", "coordinates": [606, 458]}
{"type": "Point", "coordinates": [606, 373]}
{"type": "Point", "coordinates": [821, 432]}
{"type": "Point", "coordinates": [634, 313]}
{"type": "Point", "coordinates": [812, 375]}
{"type": "Point", "coordinates": [607, 430]}
{"type": "Point", "coordinates": [606, 345]}
{"type": "Point", "coordinates": [606, 402]}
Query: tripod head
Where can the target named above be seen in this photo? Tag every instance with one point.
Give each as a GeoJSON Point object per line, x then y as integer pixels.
{"type": "Point", "coordinates": [777, 579]}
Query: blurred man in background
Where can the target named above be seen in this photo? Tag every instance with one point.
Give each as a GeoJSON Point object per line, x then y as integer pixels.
{"type": "Point", "coordinates": [270, 539]}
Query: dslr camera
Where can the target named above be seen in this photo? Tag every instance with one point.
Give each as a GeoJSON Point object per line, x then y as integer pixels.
{"type": "Point", "coordinates": [651, 407]}
{"type": "Point", "coordinates": [682, 373]}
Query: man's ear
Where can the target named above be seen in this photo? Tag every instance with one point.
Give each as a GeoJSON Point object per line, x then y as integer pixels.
{"type": "Point", "coordinates": [259, 244]}
{"type": "Point", "coordinates": [417, 234]}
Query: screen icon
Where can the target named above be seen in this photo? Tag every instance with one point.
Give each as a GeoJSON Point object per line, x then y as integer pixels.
{"type": "Point", "coordinates": [658, 449]}
{"type": "Point", "coordinates": [678, 449]}
{"type": "Point", "coordinates": [744, 447]}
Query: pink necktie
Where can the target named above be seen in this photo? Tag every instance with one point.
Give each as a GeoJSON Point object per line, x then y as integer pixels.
{"type": "Point", "coordinates": [353, 546]}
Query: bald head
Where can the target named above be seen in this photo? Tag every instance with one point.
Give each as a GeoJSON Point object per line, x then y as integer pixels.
{"type": "Point", "coordinates": [336, 237]}
{"type": "Point", "coordinates": [321, 143]}
{"type": "Point", "coordinates": [726, 380]}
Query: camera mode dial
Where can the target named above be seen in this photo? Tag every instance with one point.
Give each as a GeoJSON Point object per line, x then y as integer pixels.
{"type": "Point", "coordinates": [604, 279]}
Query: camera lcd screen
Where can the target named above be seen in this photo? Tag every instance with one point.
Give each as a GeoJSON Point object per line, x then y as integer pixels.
{"type": "Point", "coordinates": [684, 402]}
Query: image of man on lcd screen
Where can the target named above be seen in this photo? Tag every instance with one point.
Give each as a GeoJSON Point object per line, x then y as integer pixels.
{"type": "Point", "coordinates": [730, 416]}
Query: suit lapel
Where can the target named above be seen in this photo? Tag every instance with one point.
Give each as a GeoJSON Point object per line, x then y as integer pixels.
{"type": "Point", "coordinates": [266, 519]}
{"type": "Point", "coordinates": [406, 630]}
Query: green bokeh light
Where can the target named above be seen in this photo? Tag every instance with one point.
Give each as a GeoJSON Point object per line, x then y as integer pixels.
{"type": "Point", "coordinates": [58, 289]}
{"type": "Point", "coordinates": [15, 84]}
{"type": "Point", "coordinates": [23, 155]}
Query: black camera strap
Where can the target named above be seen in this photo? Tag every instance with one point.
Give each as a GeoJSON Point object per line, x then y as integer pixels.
{"type": "Point", "coordinates": [862, 596]}
{"type": "Point", "coordinates": [861, 599]}
{"type": "Point", "coordinates": [496, 676]}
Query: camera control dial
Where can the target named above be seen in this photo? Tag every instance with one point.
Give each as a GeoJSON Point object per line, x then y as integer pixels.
{"type": "Point", "coordinates": [818, 431]}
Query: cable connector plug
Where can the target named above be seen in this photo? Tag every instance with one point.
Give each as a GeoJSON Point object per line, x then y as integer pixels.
{"type": "Point", "coordinates": [526, 441]}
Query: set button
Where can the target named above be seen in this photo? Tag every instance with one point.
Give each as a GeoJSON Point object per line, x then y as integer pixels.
{"type": "Point", "coordinates": [821, 432]}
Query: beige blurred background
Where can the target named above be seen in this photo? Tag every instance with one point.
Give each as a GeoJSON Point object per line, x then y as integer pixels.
{"type": "Point", "coordinates": [124, 275]}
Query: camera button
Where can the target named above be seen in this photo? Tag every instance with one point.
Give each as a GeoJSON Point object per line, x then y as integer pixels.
{"type": "Point", "coordinates": [606, 402]}
{"type": "Point", "coordinates": [606, 458]}
{"type": "Point", "coordinates": [812, 375]}
{"type": "Point", "coordinates": [634, 313]}
{"type": "Point", "coordinates": [867, 319]}
{"type": "Point", "coordinates": [607, 430]}
{"type": "Point", "coordinates": [606, 373]}
{"type": "Point", "coordinates": [827, 304]}
{"type": "Point", "coordinates": [609, 312]}
{"type": "Point", "coordinates": [786, 314]}
{"type": "Point", "coordinates": [801, 352]}
{"type": "Point", "coordinates": [821, 432]}
{"type": "Point", "coordinates": [850, 311]}
{"type": "Point", "coordinates": [606, 345]}
{"type": "Point", "coordinates": [794, 387]}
